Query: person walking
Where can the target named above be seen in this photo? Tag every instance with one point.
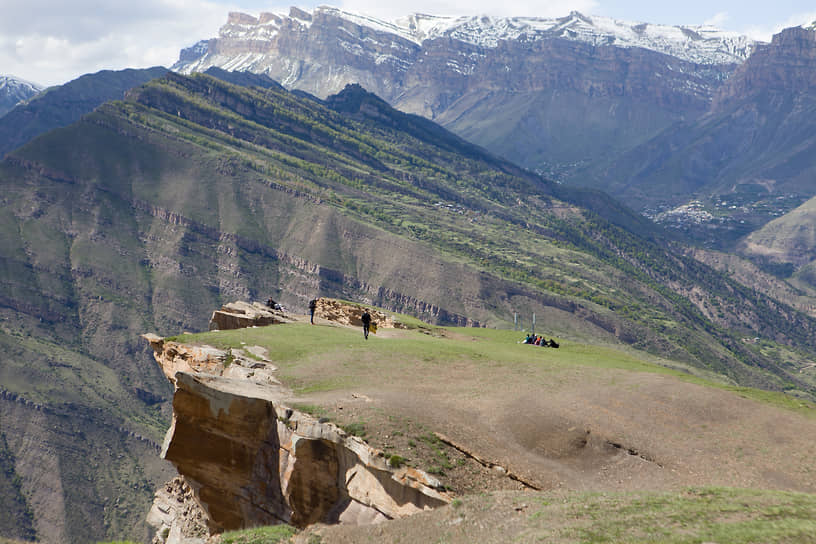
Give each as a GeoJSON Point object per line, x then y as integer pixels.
{"type": "Point", "coordinates": [366, 319]}
{"type": "Point", "coordinates": [312, 307]}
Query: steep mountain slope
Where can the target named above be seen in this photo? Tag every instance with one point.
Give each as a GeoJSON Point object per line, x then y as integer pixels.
{"type": "Point", "coordinates": [65, 104]}
{"type": "Point", "coordinates": [14, 91]}
{"type": "Point", "coordinates": [549, 94]}
{"type": "Point", "coordinates": [756, 144]}
{"type": "Point", "coordinates": [150, 212]}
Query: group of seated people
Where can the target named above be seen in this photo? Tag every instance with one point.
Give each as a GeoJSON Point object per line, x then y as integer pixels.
{"type": "Point", "coordinates": [540, 341]}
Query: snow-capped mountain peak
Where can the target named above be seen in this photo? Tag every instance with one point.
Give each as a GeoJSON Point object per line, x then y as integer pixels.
{"type": "Point", "coordinates": [698, 44]}
{"type": "Point", "coordinates": [14, 90]}
{"type": "Point", "coordinates": [15, 84]}
{"type": "Point", "coordinates": [702, 44]}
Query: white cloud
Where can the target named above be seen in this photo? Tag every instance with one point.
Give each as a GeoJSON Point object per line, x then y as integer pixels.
{"type": "Point", "coordinates": [766, 32]}
{"type": "Point", "coordinates": [53, 42]}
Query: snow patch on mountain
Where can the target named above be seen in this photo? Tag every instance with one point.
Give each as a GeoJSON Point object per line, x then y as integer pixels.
{"type": "Point", "coordinates": [699, 44]}
{"type": "Point", "coordinates": [14, 90]}
{"type": "Point", "coordinates": [15, 85]}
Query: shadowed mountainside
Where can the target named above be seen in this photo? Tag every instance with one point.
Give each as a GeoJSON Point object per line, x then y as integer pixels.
{"type": "Point", "coordinates": [64, 104]}
{"type": "Point", "coordinates": [754, 147]}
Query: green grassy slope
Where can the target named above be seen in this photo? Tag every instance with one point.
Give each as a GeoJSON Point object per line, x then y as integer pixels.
{"type": "Point", "coordinates": [512, 225]}
{"type": "Point", "coordinates": [728, 516]}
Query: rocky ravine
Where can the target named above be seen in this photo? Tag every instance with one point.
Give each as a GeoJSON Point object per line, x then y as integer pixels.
{"type": "Point", "coordinates": [250, 460]}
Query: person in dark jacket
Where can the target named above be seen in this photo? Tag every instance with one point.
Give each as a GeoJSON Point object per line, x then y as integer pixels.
{"type": "Point", "coordinates": [312, 306]}
{"type": "Point", "coordinates": [366, 319]}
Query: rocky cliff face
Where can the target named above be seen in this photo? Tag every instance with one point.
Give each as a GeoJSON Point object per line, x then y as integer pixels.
{"type": "Point", "coordinates": [755, 144]}
{"type": "Point", "coordinates": [532, 90]}
{"type": "Point", "coordinates": [787, 64]}
{"type": "Point", "coordinates": [251, 460]}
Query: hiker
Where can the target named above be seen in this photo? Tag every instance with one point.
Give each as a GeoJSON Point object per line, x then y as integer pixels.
{"type": "Point", "coordinates": [312, 307]}
{"type": "Point", "coordinates": [366, 319]}
{"type": "Point", "coordinates": [273, 305]}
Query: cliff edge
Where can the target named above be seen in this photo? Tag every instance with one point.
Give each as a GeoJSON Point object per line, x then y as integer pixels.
{"type": "Point", "coordinates": [250, 460]}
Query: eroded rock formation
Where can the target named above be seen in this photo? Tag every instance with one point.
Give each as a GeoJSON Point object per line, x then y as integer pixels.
{"type": "Point", "coordinates": [350, 314]}
{"type": "Point", "coordinates": [239, 315]}
{"type": "Point", "coordinates": [251, 460]}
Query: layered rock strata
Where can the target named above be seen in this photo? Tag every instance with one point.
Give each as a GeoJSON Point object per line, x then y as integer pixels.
{"type": "Point", "coordinates": [251, 460]}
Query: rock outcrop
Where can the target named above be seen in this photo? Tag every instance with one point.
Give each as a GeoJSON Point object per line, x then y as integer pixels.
{"type": "Point", "coordinates": [252, 460]}
{"type": "Point", "coordinates": [239, 315]}
{"type": "Point", "coordinates": [347, 313]}
{"type": "Point", "coordinates": [787, 64]}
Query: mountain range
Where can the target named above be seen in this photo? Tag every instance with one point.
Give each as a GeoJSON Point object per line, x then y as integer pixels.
{"type": "Point", "coordinates": [756, 141]}
{"type": "Point", "coordinates": [657, 116]}
{"type": "Point", "coordinates": [548, 94]}
{"type": "Point", "coordinates": [142, 200]}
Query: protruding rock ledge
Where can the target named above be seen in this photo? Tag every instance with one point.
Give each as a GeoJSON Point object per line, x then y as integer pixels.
{"type": "Point", "coordinates": [252, 460]}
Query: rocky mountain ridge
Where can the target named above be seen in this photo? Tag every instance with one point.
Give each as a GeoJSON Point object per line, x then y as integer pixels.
{"type": "Point", "coordinates": [786, 64]}
{"type": "Point", "coordinates": [702, 44]}
{"type": "Point", "coordinates": [548, 94]}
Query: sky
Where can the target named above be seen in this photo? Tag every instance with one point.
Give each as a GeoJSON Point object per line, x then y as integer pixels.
{"type": "Point", "coordinates": [50, 42]}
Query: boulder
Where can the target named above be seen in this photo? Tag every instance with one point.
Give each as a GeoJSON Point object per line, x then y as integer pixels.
{"type": "Point", "coordinates": [239, 315]}
{"type": "Point", "coordinates": [347, 313]}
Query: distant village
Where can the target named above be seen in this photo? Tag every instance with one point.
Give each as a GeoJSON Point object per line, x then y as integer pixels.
{"type": "Point", "coordinates": [724, 210]}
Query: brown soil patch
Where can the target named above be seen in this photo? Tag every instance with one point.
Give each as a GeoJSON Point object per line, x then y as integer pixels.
{"type": "Point", "coordinates": [573, 428]}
